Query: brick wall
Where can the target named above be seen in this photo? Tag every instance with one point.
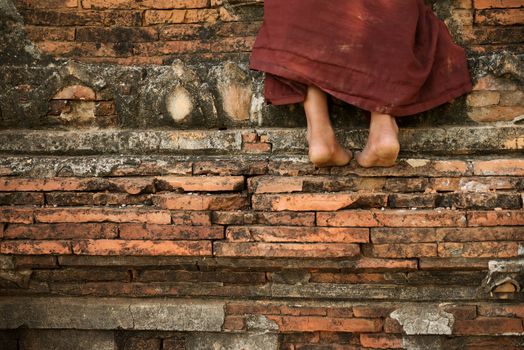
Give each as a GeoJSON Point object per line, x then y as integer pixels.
{"type": "Point", "coordinates": [149, 200]}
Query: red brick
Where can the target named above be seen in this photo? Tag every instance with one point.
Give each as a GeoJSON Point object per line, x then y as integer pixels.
{"type": "Point", "coordinates": [375, 311]}
{"type": "Point", "coordinates": [413, 250]}
{"type": "Point", "coordinates": [180, 16]}
{"type": "Point", "coordinates": [404, 235]}
{"type": "Point", "coordinates": [488, 326]}
{"type": "Point", "coordinates": [201, 183]}
{"type": "Point", "coordinates": [260, 147]}
{"type": "Point", "coordinates": [390, 264]}
{"type": "Point", "coordinates": [116, 34]}
{"type": "Point", "coordinates": [392, 326]}
{"type": "Point", "coordinates": [296, 234]}
{"type": "Point", "coordinates": [502, 310]}
{"type": "Point", "coordinates": [332, 324]}
{"type": "Point", "coordinates": [61, 231]}
{"type": "Point", "coordinates": [102, 214]}
{"type": "Point", "coordinates": [159, 232]}
{"type": "Point", "coordinates": [254, 308]}
{"type": "Point", "coordinates": [420, 218]}
{"type": "Point", "coordinates": [381, 341]}
{"type": "Point", "coordinates": [502, 167]}
{"type": "Point", "coordinates": [16, 215]}
{"type": "Point", "coordinates": [72, 17]}
{"type": "Point", "coordinates": [201, 202]}
{"type": "Point", "coordinates": [479, 250]}
{"type": "Point", "coordinates": [264, 218]}
{"type": "Point", "coordinates": [238, 44]}
{"type": "Point", "coordinates": [317, 201]}
{"type": "Point", "coordinates": [499, 17]}
{"type": "Point", "coordinates": [393, 218]}
{"type": "Point", "coordinates": [195, 218]}
{"type": "Point", "coordinates": [343, 312]}
{"type": "Point", "coordinates": [478, 234]}
{"type": "Point", "coordinates": [307, 250]}
{"type": "Point", "coordinates": [36, 33]}
{"type": "Point", "coordinates": [496, 218]}
{"type": "Point", "coordinates": [453, 263]}
{"type": "Point", "coordinates": [131, 186]}
{"type": "Point", "coordinates": [136, 247]}
{"type": "Point", "coordinates": [35, 247]}
{"type": "Point", "coordinates": [462, 312]}
{"type": "Point", "coordinates": [47, 4]}
{"type": "Point", "coordinates": [352, 218]}
{"type": "Point", "coordinates": [484, 4]}
{"type": "Point", "coordinates": [234, 323]}
{"type": "Point", "coordinates": [302, 310]}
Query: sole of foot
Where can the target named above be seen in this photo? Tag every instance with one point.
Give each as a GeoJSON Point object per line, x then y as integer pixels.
{"type": "Point", "coordinates": [325, 157]}
{"type": "Point", "coordinates": [384, 157]}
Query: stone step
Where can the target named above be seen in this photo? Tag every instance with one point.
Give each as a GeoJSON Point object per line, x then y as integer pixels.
{"type": "Point", "coordinates": [269, 141]}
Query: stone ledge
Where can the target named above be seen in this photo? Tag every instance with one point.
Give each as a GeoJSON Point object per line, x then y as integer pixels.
{"type": "Point", "coordinates": [111, 314]}
{"type": "Point", "coordinates": [432, 141]}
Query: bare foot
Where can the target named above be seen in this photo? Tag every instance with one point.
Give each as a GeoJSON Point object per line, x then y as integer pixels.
{"type": "Point", "coordinates": [382, 147]}
{"type": "Point", "coordinates": [324, 150]}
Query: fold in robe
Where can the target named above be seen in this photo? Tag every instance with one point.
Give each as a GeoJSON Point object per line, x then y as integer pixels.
{"type": "Point", "coordinates": [389, 56]}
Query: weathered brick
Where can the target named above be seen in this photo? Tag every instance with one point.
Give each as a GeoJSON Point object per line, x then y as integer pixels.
{"type": "Point", "coordinates": [488, 325]}
{"type": "Point", "coordinates": [234, 323]}
{"type": "Point", "coordinates": [315, 323]}
{"type": "Point", "coordinates": [393, 218]}
{"type": "Point", "coordinates": [72, 17]}
{"type": "Point", "coordinates": [128, 185]}
{"type": "Point", "coordinates": [499, 16]}
{"type": "Point", "coordinates": [478, 234]}
{"type": "Point", "coordinates": [48, 4]}
{"type": "Point", "coordinates": [196, 218]}
{"type": "Point", "coordinates": [21, 198]}
{"type": "Point", "coordinates": [307, 250]}
{"type": "Point", "coordinates": [516, 310]}
{"type": "Point", "coordinates": [36, 261]}
{"type": "Point", "coordinates": [161, 232]}
{"type": "Point", "coordinates": [296, 234]}
{"type": "Point", "coordinates": [412, 250]}
{"type": "Point", "coordinates": [459, 263]}
{"type": "Point", "coordinates": [200, 183]}
{"type": "Point", "coordinates": [61, 231]}
{"type": "Point", "coordinates": [484, 4]}
{"type": "Point", "coordinates": [180, 16]}
{"type": "Point", "coordinates": [264, 218]}
{"type": "Point", "coordinates": [116, 34]}
{"type": "Point", "coordinates": [200, 202]}
{"type": "Point", "coordinates": [102, 215]}
{"type": "Point", "coordinates": [33, 247]}
{"type": "Point", "coordinates": [381, 341]}
{"type": "Point", "coordinates": [496, 218]}
{"type": "Point", "coordinates": [504, 167]}
{"type": "Point", "coordinates": [479, 249]}
{"type": "Point", "coordinates": [321, 201]}
{"type": "Point", "coordinates": [139, 247]}
{"type": "Point", "coordinates": [16, 215]}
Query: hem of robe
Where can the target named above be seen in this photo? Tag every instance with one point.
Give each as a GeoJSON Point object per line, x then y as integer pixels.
{"type": "Point", "coordinates": [361, 102]}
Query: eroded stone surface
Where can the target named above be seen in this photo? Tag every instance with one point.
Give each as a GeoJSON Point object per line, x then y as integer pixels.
{"type": "Point", "coordinates": [424, 319]}
{"type": "Point", "coordinates": [110, 314]}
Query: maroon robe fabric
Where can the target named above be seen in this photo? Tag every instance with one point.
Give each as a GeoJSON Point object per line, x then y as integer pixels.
{"type": "Point", "coordinates": [389, 56]}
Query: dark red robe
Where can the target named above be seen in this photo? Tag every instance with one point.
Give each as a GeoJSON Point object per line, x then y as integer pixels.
{"type": "Point", "coordinates": [389, 56]}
